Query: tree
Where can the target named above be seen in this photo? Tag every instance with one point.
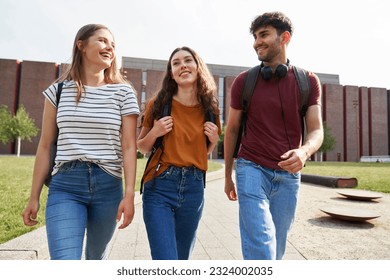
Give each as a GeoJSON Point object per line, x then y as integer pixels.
{"type": "Point", "coordinates": [5, 125]}
{"type": "Point", "coordinates": [329, 142]}
{"type": "Point", "coordinates": [20, 127]}
{"type": "Point", "coordinates": [221, 143]}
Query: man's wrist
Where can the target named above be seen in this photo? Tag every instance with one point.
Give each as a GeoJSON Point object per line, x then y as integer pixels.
{"type": "Point", "coordinates": [307, 152]}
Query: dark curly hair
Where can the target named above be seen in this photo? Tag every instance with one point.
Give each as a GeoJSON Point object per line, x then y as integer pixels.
{"type": "Point", "coordinates": [275, 19]}
{"type": "Point", "coordinates": [205, 84]}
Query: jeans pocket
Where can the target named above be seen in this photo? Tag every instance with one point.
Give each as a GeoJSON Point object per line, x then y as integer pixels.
{"type": "Point", "coordinates": [242, 161]}
{"type": "Point", "coordinates": [198, 174]}
{"type": "Point", "coordinates": [74, 166]}
{"type": "Point", "coordinates": [64, 168]}
{"type": "Point", "coordinates": [296, 175]}
{"type": "Point", "coordinates": [165, 173]}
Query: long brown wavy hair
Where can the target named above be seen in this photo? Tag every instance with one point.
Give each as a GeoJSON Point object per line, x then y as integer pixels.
{"type": "Point", "coordinates": [205, 84]}
{"type": "Point", "coordinates": [112, 75]}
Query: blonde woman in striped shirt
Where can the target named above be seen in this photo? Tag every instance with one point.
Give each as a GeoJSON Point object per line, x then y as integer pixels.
{"type": "Point", "coordinates": [96, 117]}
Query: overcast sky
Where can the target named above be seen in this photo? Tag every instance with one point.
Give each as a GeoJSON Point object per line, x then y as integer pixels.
{"type": "Point", "coordinates": [348, 38]}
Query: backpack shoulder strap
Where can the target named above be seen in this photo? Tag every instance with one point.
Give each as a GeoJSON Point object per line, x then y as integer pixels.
{"type": "Point", "coordinates": [53, 146]}
{"type": "Point", "coordinates": [209, 117]}
{"type": "Point", "coordinates": [58, 94]}
{"type": "Point", "coordinates": [158, 144]}
{"type": "Point", "coordinates": [245, 98]}
{"type": "Point", "coordinates": [249, 86]}
{"type": "Point", "coordinates": [304, 91]}
{"type": "Point", "coordinates": [166, 112]}
{"type": "Point", "coordinates": [304, 88]}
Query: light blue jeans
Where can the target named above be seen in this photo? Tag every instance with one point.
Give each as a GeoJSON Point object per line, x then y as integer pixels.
{"type": "Point", "coordinates": [267, 203]}
{"type": "Point", "coordinates": [172, 209]}
{"type": "Point", "coordinates": [82, 197]}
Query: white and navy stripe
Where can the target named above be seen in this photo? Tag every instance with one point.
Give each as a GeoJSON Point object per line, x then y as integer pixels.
{"type": "Point", "coordinates": [90, 130]}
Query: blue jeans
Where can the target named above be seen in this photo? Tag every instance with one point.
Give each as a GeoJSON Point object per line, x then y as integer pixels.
{"type": "Point", "coordinates": [81, 197]}
{"type": "Point", "coordinates": [267, 203]}
{"type": "Point", "coordinates": [172, 209]}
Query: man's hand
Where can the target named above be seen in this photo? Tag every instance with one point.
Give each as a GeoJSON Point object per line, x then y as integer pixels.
{"type": "Point", "coordinates": [293, 160]}
{"type": "Point", "coordinates": [230, 189]}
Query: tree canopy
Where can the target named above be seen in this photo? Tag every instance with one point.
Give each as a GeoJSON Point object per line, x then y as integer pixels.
{"type": "Point", "coordinates": [18, 127]}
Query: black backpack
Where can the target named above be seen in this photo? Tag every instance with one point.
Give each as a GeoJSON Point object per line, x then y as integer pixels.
{"type": "Point", "coordinates": [249, 86]}
{"type": "Point", "coordinates": [209, 116]}
{"type": "Point", "coordinates": [53, 145]}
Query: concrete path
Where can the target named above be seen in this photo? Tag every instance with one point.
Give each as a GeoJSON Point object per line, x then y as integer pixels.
{"type": "Point", "coordinates": [217, 239]}
{"type": "Point", "coordinates": [218, 235]}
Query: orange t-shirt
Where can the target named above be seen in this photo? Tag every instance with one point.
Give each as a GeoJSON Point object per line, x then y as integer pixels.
{"type": "Point", "coordinates": [185, 144]}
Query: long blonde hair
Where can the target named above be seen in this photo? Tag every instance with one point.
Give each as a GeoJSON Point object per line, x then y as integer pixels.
{"type": "Point", "coordinates": [111, 75]}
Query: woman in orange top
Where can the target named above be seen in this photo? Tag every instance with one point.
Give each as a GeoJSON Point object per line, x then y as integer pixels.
{"type": "Point", "coordinates": [173, 194]}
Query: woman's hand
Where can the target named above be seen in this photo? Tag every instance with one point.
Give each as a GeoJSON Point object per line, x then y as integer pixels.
{"type": "Point", "coordinates": [211, 131]}
{"type": "Point", "coordinates": [126, 207]}
{"type": "Point", "coordinates": [162, 126]}
{"type": "Point", "coordinates": [29, 214]}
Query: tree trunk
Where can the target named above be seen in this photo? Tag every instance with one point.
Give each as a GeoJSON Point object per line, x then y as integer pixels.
{"type": "Point", "coordinates": [19, 143]}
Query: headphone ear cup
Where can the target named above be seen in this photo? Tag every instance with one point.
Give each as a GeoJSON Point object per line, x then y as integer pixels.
{"type": "Point", "coordinates": [266, 73]}
{"type": "Point", "coordinates": [281, 70]}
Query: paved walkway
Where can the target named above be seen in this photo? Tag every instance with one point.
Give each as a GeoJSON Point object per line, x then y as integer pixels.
{"type": "Point", "coordinates": [217, 239]}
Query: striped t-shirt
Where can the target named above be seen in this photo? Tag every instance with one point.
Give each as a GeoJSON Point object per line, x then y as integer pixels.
{"type": "Point", "coordinates": [90, 130]}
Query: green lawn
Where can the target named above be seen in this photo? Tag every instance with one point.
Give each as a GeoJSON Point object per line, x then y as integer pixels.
{"type": "Point", "coordinates": [370, 176]}
{"type": "Point", "coordinates": [15, 184]}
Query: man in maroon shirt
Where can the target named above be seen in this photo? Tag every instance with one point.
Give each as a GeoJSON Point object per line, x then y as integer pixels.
{"type": "Point", "coordinates": [271, 155]}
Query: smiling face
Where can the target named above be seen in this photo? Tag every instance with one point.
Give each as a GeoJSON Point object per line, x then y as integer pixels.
{"type": "Point", "coordinates": [184, 68]}
{"type": "Point", "coordinates": [267, 44]}
{"type": "Point", "coordinates": [98, 50]}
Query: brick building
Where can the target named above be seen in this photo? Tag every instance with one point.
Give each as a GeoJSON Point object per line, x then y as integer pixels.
{"type": "Point", "coordinates": [358, 117]}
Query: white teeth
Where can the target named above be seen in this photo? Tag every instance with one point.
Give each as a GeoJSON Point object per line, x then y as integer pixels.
{"type": "Point", "coordinates": [185, 72]}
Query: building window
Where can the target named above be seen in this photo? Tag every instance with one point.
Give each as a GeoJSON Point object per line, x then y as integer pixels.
{"type": "Point", "coordinates": [221, 87]}
{"type": "Point", "coordinates": [143, 91]}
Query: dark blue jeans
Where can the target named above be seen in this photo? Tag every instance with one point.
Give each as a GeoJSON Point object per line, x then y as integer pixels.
{"type": "Point", "coordinates": [172, 209]}
{"type": "Point", "coordinates": [82, 197]}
